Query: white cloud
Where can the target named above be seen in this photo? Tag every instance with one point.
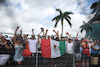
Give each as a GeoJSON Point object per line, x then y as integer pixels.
{"type": "Point", "coordinates": [34, 13]}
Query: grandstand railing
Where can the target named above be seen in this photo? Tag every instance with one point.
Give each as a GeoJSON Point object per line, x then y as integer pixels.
{"type": "Point", "coordinates": [37, 62]}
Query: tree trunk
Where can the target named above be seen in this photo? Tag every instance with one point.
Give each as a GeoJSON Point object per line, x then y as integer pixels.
{"type": "Point", "coordinates": [62, 30]}
{"type": "Point", "coordinates": [62, 27]}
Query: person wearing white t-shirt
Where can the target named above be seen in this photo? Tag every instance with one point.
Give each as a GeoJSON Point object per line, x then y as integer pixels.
{"type": "Point", "coordinates": [32, 45]}
{"type": "Point", "coordinates": [90, 43]}
{"type": "Point", "coordinates": [69, 52]}
{"type": "Point", "coordinates": [69, 47]}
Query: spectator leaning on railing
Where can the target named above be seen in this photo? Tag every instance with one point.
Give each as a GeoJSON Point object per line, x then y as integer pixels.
{"type": "Point", "coordinates": [29, 44]}
{"type": "Point", "coordinates": [69, 50]}
{"type": "Point", "coordinates": [95, 53]}
{"type": "Point", "coordinates": [77, 52]}
{"type": "Point", "coordinates": [90, 44]}
{"type": "Point", "coordinates": [99, 54]}
{"type": "Point", "coordinates": [85, 53]}
{"type": "Point", "coordinates": [18, 45]}
{"type": "Point", "coordinates": [5, 47]}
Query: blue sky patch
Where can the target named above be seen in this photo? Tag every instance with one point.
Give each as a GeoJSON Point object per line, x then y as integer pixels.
{"type": "Point", "coordinates": [18, 5]}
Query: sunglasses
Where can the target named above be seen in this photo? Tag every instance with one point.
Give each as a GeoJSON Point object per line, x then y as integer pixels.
{"type": "Point", "coordinates": [85, 41]}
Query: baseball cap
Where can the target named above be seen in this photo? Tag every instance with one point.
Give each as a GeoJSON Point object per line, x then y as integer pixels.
{"type": "Point", "coordinates": [76, 39]}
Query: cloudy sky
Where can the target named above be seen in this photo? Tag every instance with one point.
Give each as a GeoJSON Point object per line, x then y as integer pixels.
{"type": "Point", "coordinates": [35, 14]}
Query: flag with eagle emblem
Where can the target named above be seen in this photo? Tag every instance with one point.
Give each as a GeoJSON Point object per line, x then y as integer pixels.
{"type": "Point", "coordinates": [52, 48]}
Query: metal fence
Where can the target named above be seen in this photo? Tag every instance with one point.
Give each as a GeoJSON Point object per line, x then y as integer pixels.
{"type": "Point", "coordinates": [38, 61]}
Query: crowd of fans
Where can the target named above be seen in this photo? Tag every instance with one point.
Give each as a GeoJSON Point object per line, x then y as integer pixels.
{"type": "Point", "coordinates": [21, 50]}
{"type": "Point", "coordinates": [87, 51]}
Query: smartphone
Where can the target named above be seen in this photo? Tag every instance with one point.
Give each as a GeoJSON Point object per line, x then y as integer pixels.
{"type": "Point", "coordinates": [42, 28]}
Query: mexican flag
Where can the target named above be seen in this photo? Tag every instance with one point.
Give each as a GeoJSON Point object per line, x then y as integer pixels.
{"type": "Point", "coordinates": [52, 48]}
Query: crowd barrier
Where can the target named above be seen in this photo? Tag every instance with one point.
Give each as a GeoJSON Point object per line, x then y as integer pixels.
{"type": "Point", "coordinates": [38, 61]}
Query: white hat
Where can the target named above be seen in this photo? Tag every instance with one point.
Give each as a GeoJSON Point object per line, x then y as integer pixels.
{"type": "Point", "coordinates": [8, 39]}
{"type": "Point", "coordinates": [70, 38]}
{"type": "Point", "coordinates": [90, 40]}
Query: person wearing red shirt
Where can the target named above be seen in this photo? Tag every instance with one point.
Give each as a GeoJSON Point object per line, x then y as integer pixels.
{"type": "Point", "coordinates": [85, 53]}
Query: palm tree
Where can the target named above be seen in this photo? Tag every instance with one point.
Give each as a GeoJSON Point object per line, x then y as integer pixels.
{"type": "Point", "coordinates": [61, 17]}
{"type": "Point", "coordinates": [95, 20]}
{"type": "Point", "coordinates": [96, 7]}
{"type": "Point", "coordinates": [86, 27]}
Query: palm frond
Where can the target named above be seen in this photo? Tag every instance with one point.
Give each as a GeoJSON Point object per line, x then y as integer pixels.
{"type": "Point", "coordinates": [81, 26]}
{"type": "Point", "coordinates": [59, 11]}
{"type": "Point", "coordinates": [96, 8]}
{"type": "Point", "coordinates": [81, 30]}
{"type": "Point", "coordinates": [56, 18]}
{"type": "Point", "coordinates": [90, 28]}
{"type": "Point", "coordinates": [56, 23]}
{"type": "Point", "coordinates": [84, 22]}
{"type": "Point", "coordinates": [69, 17]}
{"type": "Point", "coordinates": [86, 27]}
{"type": "Point", "coordinates": [67, 13]}
{"type": "Point", "coordinates": [68, 22]}
{"type": "Point", "coordinates": [70, 13]}
{"type": "Point", "coordinates": [93, 5]}
{"type": "Point", "coordinates": [66, 16]}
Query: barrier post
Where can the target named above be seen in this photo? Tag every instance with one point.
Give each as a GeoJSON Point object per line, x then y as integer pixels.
{"type": "Point", "coordinates": [73, 51]}
{"type": "Point", "coordinates": [37, 54]}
